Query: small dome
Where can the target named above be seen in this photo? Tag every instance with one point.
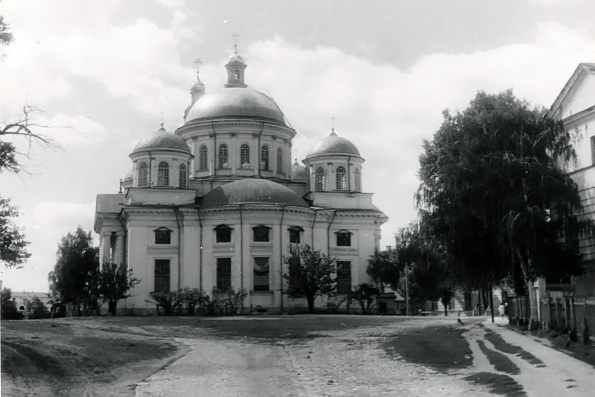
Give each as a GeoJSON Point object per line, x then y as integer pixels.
{"type": "Point", "coordinates": [162, 140]}
{"type": "Point", "coordinates": [247, 191]}
{"type": "Point", "coordinates": [333, 144]}
{"type": "Point", "coordinates": [298, 172]}
{"type": "Point", "coordinates": [236, 102]}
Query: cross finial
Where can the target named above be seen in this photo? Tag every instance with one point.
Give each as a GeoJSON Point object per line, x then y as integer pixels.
{"type": "Point", "coordinates": [161, 113]}
{"type": "Point", "coordinates": [197, 62]}
{"type": "Point", "coordinates": [235, 42]}
{"type": "Point", "coordinates": [333, 124]}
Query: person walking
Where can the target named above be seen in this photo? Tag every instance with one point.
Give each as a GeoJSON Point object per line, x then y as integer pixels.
{"type": "Point", "coordinates": [501, 310]}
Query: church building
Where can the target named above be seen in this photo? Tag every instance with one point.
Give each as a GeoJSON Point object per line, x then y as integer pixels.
{"type": "Point", "coordinates": [217, 204]}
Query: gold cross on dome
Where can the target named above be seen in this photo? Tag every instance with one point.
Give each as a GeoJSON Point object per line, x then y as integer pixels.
{"type": "Point", "coordinates": [197, 62]}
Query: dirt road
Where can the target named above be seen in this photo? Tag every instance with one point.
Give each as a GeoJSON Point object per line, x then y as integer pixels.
{"type": "Point", "coordinates": [360, 363]}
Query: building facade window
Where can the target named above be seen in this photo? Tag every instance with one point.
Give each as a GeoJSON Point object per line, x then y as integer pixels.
{"type": "Point", "coordinates": [224, 274]}
{"type": "Point", "coordinates": [143, 175]}
{"type": "Point", "coordinates": [261, 274]}
{"type": "Point", "coordinates": [163, 236]}
{"type": "Point", "coordinates": [183, 182]}
{"type": "Point", "coordinates": [320, 180]}
{"type": "Point", "coordinates": [223, 234]}
{"type": "Point", "coordinates": [592, 150]}
{"type": "Point", "coordinates": [163, 174]}
{"type": "Point", "coordinates": [203, 160]}
{"type": "Point", "coordinates": [295, 235]}
{"type": "Point", "coordinates": [279, 160]}
{"type": "Point", "coordinates": [162, 275]}
{"type": "Point", "coordinates": [341, 176]}
{"type": "Point", "coordinates": [358, 180]}
{"type": "Point", "coordinates": [343, 277]}
{"type": "Point", "coordinates": [261, 233]}
{"type": "Point", "coordinates": [245, 156]}
{"type": "Point", "coordinates": [264, 158]}
{"type": "Point", "coordinates": [343, 238]}
{"type": "Point", "coordinates": [223, 156]}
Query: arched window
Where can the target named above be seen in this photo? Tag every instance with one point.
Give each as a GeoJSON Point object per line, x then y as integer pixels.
{"type": "Point", "coordinates": [183, 182]}
{"type": "Point", "coordinates": [223, 156]}
{"type": "Point", "coordinates": [245, 156]}
{"type": "Point", "coordinates": [264, 158]}
{"type": "Point", "coordinates": [320, 180]}
{"type": "Point", "coordinates": [203, 163]}
{"type": "Point", "coordinates": [279, 160]}
{"type": "Point", "coordinates": [143, 175]}
{"type": "Point", "coordinates": [358, 180]}
{"type": "Point", "coordinates": [223, 234]}
{"type": "Point", "coordinates": [341, 179]}
{"type": "Point", "coordinates": [163, 174]}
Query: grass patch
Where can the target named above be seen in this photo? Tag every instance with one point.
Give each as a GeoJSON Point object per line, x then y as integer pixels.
{"type": "Point", "coordinates": [499, 360]}
{"type": "Point", "coordinates": [502, 385]}
{"type": "Point", "coordinates": [441, 348]}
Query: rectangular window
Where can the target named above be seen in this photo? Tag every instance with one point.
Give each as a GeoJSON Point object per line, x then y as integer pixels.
{"type": "Point", "coordinates": [261, 274]}
{"type": "Point", "coordinates": [223, 234]}
{"type": "Point", "coordinates": [163, 236]}
{"type": "Point", "coordinates": [343, 277]}
{"type": "Point", "coordinates": [261, 234]}
{"type": "Point", "coordinates": [593, 150]}
{"type": "Point", "coordinates": [295, 235]}
{"type": "Point", "coordinates": [224, 273]}
{"type": "Point", "coordinates": [162, 275]}
{"type": "Point", "coordinates": [343, 239]}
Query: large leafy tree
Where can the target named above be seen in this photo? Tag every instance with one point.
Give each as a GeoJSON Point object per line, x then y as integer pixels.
{"type": "Point", "coordinates": [112, 283]}
{"type": "Point", "coordinates": [495, 193]}
{"type": "Point", "coordinates": [73, 278]}
{"type": "Point", "coordinates": [13, 244]}
{"type": "Point", "coordinates": [383, 270]}
{"type": "Point", "coordinates": [310, 275]}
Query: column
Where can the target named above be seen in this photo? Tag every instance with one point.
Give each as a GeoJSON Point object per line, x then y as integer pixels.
{"type": "Point", "coordinates": [118, 251]}
{"type": "Point", "coordinates": [105, 248]}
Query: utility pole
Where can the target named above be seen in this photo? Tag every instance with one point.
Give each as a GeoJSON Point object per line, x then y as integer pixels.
{"type": "Point", "coordinates": [407, 288]}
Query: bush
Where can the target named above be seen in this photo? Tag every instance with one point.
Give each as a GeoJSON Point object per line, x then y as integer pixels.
{"type": "Point", "coordinates": [193, 297]}
{"type": "Point", "coordinates": [36, 309]}
{"type": "Point", "coordinates": [228, 302]}
{"type": "Point", "coordinates": [167, 300]}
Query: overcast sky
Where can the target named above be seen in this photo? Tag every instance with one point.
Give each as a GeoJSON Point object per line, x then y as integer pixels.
{"type": "Point", "coordinates": [385, 70]}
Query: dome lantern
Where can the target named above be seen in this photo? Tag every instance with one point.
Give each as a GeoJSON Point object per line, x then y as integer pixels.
{"type": "Point", "coordinates": [235, 70]}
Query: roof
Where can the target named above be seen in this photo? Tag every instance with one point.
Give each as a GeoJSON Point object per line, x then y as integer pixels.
{"type": "Point", "coordinates": [582, 68]}
{"type": "Point", "coordinates": [250, 191]}
{"type": "Point", "coordinates": [333, 144]}
{"type": "Point", "coordinates": [236, 102]}
{"type": "Point", "coordinates": [162, 140]}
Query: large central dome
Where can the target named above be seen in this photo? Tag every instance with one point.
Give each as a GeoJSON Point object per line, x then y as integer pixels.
{"type": "Point", "coordinates": [255, 191]}
{"type": "Point", "coordinates": [236, 102]}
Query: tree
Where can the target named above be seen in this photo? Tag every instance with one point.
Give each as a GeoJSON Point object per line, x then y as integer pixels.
{"type": "Point", "coordinates": [13, 246]}
{"type": "Point", "coordinates": [113, 283]}
{"type": "Point", "coordinates": [72, 278]}
{"type": "Point", "coordinates": [310, 275]}
{"type": "Point", "coordinates": [9, 307]}
{"type": "Point", "coordinates": [495, 194]}
{"type": "Point", "coordinates": [365, 295]}
{"type": "Point", "coordinates": [383, 270]}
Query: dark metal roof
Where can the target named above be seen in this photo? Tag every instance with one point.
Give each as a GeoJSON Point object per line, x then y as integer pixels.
{"type": "Point", "coordinates": [236, 102]}
{"type": "Point", "coordinates": [247, 191]}
{"type": "Point", "coordinates": [162, 140]}
{"type": "Point", "coordinates": [333, 144]}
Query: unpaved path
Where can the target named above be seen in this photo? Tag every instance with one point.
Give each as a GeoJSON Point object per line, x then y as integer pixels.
{"type": "Point", "coordinates": [352, 363]}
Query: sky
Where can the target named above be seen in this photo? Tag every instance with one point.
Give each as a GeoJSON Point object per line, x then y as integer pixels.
{"type": "Point", "coordinates": [104, 74]}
